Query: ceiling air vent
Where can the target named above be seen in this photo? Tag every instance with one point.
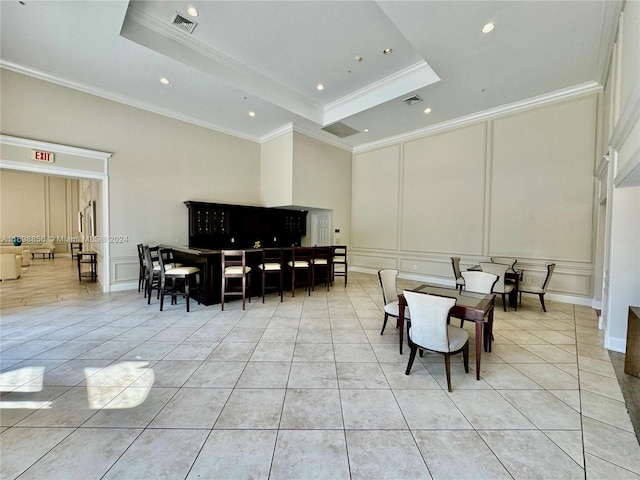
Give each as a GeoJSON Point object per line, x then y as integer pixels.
{"type": "Point", "coordinates": [339, 129]}
{"type": "Point", "coordinates": [183, 23]}
{"type": "Point", "coordinates": [412, 100]}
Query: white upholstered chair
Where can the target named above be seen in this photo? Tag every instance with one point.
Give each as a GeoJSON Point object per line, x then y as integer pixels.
{"type": "Point", "coordinates": [429, 330]}
{"type": "Point", "coordinates": [539, 290]}
{"type": "Point", "coordinates": [506, 261]}
{"type": "Point", "coordinates": [500, 286]}
{"type": "Point", "coordinates": [479, 282]}
{"type": "Point", "coordinates": [388, 283]}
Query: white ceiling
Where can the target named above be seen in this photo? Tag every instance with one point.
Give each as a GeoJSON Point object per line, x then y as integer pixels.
{"type": "Point", "coordinates": [268, 57]}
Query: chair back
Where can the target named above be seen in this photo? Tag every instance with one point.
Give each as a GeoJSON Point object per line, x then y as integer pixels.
{"type": "Point", "coordinates": [499, 269]}
{"type": "Point", "coordinates": [141, 255]}
{"type": "Point", "coordinates": [150, 256]}
{"type": "Point", "coordinates": [322, 255]}
{"type": "Point", "coordinates": [339, 253]}
{"type": "Point", "coordinates": [550, 268]}
{"type": "Point", "coordinates": [271, 259]}
{"type": "Point", "coordinates": [301, 257]}
{"type": "Point", "coordinates": [429, 314]}
{"type": "Point", "coordinates": [234, 263]}
{"type": "Point", "coordinates": [455, 263]}
{"type": "Point", "coordinates": [388, 284]}
{"type": "Point", "coordinates": [479, 282]}
{"type": "Point", "coordinates": [507, 261]}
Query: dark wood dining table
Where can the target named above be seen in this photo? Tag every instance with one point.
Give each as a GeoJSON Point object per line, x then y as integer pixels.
{"type": "Point", "coordinates": [474, 307]}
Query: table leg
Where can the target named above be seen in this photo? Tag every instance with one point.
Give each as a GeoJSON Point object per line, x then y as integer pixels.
{"type": "Point", "coordinates": [479, 339]}
{"type": "Point", "coordinates": [400, 322]}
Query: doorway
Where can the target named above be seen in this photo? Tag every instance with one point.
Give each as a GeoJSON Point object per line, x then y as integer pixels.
{"type": "Point", "coordinates": [321, 228]}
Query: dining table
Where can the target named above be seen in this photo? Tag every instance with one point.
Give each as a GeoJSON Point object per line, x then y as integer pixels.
{"type": "Point", "coordinates": [474, 307]}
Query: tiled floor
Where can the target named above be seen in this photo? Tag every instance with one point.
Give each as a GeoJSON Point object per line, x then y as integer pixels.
{"type": "Point", "coordinates": [105, 386]}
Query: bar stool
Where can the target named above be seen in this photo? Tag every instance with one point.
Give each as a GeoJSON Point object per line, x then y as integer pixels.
{"type": "Point", "coordinates": [321, 260]}
{"type": "Point", "coordinates": [300, 262]}
{"type": "Point", "coordinates": [339, 258]}
{"type": "Point", "coordinates": [188, 276]}
{"type": "Point", "coordinates": [234, 267]}
{"type": "Point", "coordinates": [271, 265]}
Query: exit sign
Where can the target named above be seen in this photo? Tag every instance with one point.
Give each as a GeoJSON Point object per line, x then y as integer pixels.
{"type": "Point", "coordinates": [42, 156]}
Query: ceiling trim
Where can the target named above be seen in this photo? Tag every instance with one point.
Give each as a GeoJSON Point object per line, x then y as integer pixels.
{"type": "Point", "coordinates": [533, 102]}
{"type": "Point", "coordinates": [286, 128]}
{"type": "Point", "coordinates": [53, 147]}
{"type": "Point", "coordinates": [403, 82]}
{"type": "Point", "coordinates": [125, 100]}
{"type": "Point", "coordinates": [608, 35]}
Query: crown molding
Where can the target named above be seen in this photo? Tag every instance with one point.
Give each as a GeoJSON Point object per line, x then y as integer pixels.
{"type": "Point", "coordinates": [575, 91]}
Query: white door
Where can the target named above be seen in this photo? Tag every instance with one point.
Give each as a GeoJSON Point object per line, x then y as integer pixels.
{"type": "Point", "coordinates": [321, 228]}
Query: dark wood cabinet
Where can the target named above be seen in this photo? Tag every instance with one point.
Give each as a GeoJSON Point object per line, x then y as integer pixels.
{"type": "Point", "coordinates": [216, 226]}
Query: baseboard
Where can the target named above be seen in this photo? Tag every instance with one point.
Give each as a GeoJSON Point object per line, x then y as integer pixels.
{"type": "Point", "coordinates": [122, 287]}
{"type": "Point", "coordinates": [616, 344]}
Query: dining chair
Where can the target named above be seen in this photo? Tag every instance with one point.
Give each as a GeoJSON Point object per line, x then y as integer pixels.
{"type": "Point", "coordinates": [176, 280]}
{"type": "Point", "coordinates": [538, 290]}
{"type": "Point", "coordinates": [388, 284]}
{"type": "Point", "coordinates": [300, 263]}
{"type": "Point", "coordinates": [479, 281]}
{"type": "Point", "coordinates": [500, 286]}
{"type": "Point", "coordinates": [340, 260]}
{"type": "Point", "coordinates": [455, 263]}
{"type": "Point", "coordinates": [430, 330]}
{"type": "Point", "coordinates": [142, 273]}
{"type": "Point", "coordinates": [506, 261]}
{"type": "Point", "coordinates": [321, 263]}
{"type": "Point", "coordinates": [271, 265]}
{"type": "Point", "coordinates": [152, 270]}
{"type": "Point", "coordinates": [234, 267]}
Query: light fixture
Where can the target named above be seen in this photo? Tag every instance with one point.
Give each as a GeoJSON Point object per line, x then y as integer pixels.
{"type": "Point", "coordinates": [164, 81]}
{"type": "Point", "coordinates": [427, 110]}
{"type": "Point", "coordinates": [320, 87]}
{"type": "Point", "coordinates": [191, 11]}
{"type": "Point", "coordinates": [366, 130]}
{"type": "Point", "coordinates": [252, 114]}
{"type": "Point", "coordinates": [358, 58]}
{"type": "Point", "coordinates": [488, 28]}
{"type": "Point", "coordinates": [387, 51]}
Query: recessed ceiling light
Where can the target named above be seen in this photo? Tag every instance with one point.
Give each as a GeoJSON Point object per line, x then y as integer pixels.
{"type": "Point", "coordinates": [252, 114]}
{"type": "Point", "coordinates": [427, 110]}
{"type": "Point", "coordinates": [192, 12]}
{"type": "Point", "coordinates": [358, 58]}
{"type": "Point", "coordinates": [165, 81]}
{"type": "Point", "coordinates": [488, 28]}
{"type": "Point", "coordinates": [320, 87]}
{"type": "Point", "coordinates": [366, 130]}
{"type": "Point", "coordinates": [387, 51]}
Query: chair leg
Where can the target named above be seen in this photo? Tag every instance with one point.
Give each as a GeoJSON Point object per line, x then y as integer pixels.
{"type": "Point", "coordinates": [186, 290]}
{"type": "Point", "coordinates": [447, 367]}
{"type": "Point", "coordinates": [384, 324]}
{"type": "Point", "coordinates": [224, 286]}
{"type": "Point", "coordinates": [542, 301]}
{"type": "Point", "coordinates": [465, 356]}
{"type": "Point", "coordinates": [412, 357]}
{"type": "Point", "coordinates": [504, 302]}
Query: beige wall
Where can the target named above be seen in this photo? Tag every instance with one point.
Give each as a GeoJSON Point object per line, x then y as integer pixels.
{"type": "Point", "coordinates": [518, 185]}
{"type": "Point", "coordinates": [36, 207]}
{"type": "Point", "coordinates": [276, 171]}
{"type": "Point", "coordinates": [157, 162]}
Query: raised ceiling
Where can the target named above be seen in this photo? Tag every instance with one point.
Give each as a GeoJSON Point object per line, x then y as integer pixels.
{"type": "Point", "coordinates": [268, 57]}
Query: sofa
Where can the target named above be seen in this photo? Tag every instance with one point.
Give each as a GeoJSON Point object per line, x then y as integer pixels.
{"type": "Point", "coordinates": [10, 266]}
{"type": "Point", "coordinates": [22, 252]}
{"type": "Point", "coordinates": [47, 248]}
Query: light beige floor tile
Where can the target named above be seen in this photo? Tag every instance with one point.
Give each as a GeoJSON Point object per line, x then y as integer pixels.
{"type": "Point", "coordinates": [521, 453]}
{"type": "Point", "coordinates": [22, 447]}
{"type": "Point", "coordinates": [361, 375]}
{"type": "Point", "coordinates": [458, 454]}
{"type": "Point", "coordinates": [85, 453]}
{"type": "Point", "coordinates": [273, 352]}
{"type": "Point", "coordinates": [371, 409]}
{"type": "Point", "coordinates": [598, 468]}
{"type": "Point", "coordinates": [548, 376]}
{"type": "Point", "coordinates": [419, 379]}
{"type": "Point", "coordinates": [488, 409]}
{"type": "Point", "coordinates": [606, 410]}
{"type": "Point", "coordinates": [311, 408]}
{"type": "Point", "coordinates": [166, 453]}
{"type": "Point", "coordinates": [570, 441]}
{"type": "Point", "coordinates": [313, 352]}
{"type": "Point", "coordinates": [264, 375]}
{"type": "Point", "coordinates": [443, 414]}
{"type": "Point", "coordinates": [502, 376]}
{"type": "Point", "coordinates": [320, 454]}
{"type": "Point", "coordinates": [605, 386]}
{"type": "Point", "coordinates": [515, 354]}
{"type": "Point", "coordinates": [384, 454]}
{"type": "Point", "coordinates": [613, 444]}
{"type": "Point", "coordinates": [313, 375]}
{"type": "Point", "coordinates": [235, 454]}
{"type": "Point", "coordinates": [552, 354]}
{"type": "Point", "coordinates": [192, 408]}
{"type": "Point", "coordinates": [543, 409]}
{"type": "Point", "coordinates": [240, 411]}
